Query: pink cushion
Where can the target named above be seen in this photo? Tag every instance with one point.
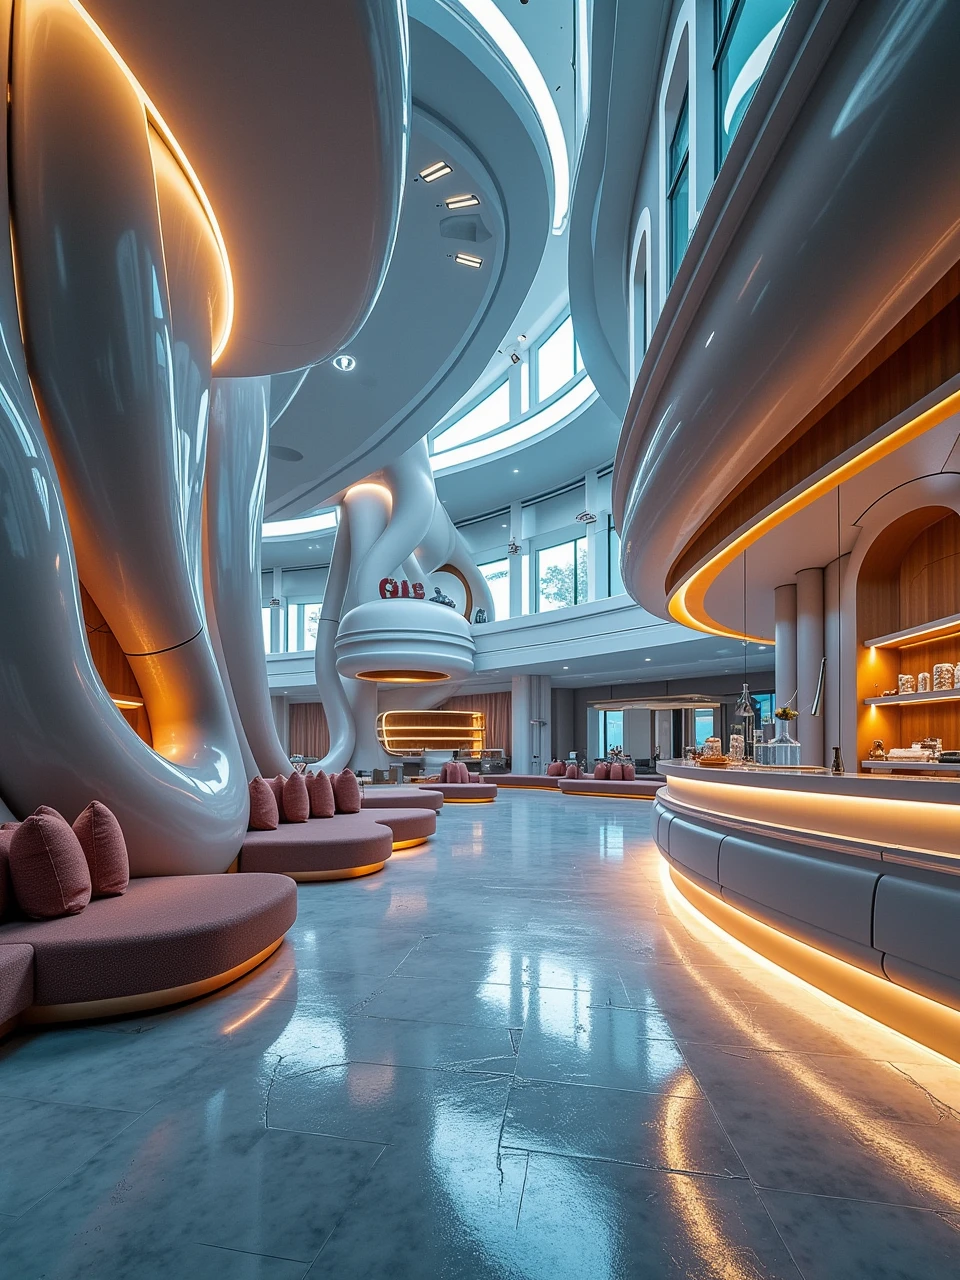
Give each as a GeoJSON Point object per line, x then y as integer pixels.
{"type": "Point", "coordinates": [445, 772]}
{"type": "Point", "coordinates": [629, 773]}
{"type": "Point", "coordinates": [555, 769]}
{"type": "Point", "coordinates": [105, 850]}
{"type": "Point", "coordinates": [7, 901]}
{"type": "Point", "coordinates": [601, 771]}
{"type": "Point", "coordinates": [320, 790]}
{"type": "Point", "coordinates": [572, 771]}
{"type": "Point", "coordinates": [463, 771]}
{"type": "Point", "coordinates": [264, 814]}
{"type": "Point", "coordinates": [616, 772]}
{"type": "Point", "coordinates": [296, 802]}
{"type": "Point", "coordinates": [276, 786]}
{"type": "Point", "coordinates": [49, 872]}
{"type": "Point", "coordinates": [346, 792]}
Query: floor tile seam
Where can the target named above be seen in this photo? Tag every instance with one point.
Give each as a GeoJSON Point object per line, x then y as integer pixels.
{"type": "Point", "coordinates": [253, 1253]}
{"type": "Point", "coordinates": [452, 1069]}
{"type": "Point", "coordinates": [77, 1106]}
{"type": "Point", "coordinates": [630, 1164]}
{"type": "Point", "coordinates": [332, 1137]}
{"type": "Point", "coordinates": [608, 1088]}
{"type": "Point", "coordinates": [939, 1211]}
{"type": "Point", "coordinates": [432, 1022]}
{"type": "Point", "coordinates": [346, 1209]}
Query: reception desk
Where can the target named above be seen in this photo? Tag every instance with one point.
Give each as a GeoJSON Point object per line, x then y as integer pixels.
{"type": "Point", "coordinates": [851, 882]}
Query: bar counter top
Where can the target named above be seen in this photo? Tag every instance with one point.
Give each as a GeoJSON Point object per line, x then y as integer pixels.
{"type": "Point", "coordinates": [820, 782]}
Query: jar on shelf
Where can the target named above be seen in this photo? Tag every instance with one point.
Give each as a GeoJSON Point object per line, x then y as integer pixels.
{"type": "Point", "coordinates": [923, 682]}
{"type": "Point", "coordinates": [906, 684]}
{"type": "Point", "coordinates": [943, 675]}
{"type": "Point", "coordinates": [956, 676]}
{"type": "Point", "coordinates": [736, 751]}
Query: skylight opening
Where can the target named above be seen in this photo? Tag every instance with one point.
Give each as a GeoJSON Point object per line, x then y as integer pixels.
{"type": "Point", "coordinates": [317, 523]}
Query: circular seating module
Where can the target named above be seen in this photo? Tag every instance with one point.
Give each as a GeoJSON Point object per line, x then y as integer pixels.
{"type": "Point", "coordinates": [537, 781]}
{"type": "Point", "coordinates": [167, 939]}
{"type": "Point", "coordinates": [641, 789]}
{"type": "Point", "coordinates": [338, 848]}
{"type": "Point", "coordinates": [398, 797]}
{"type": "Point", "coordinates": [409, 826]}
{"type": "Point", "coordinates": [465, 792]}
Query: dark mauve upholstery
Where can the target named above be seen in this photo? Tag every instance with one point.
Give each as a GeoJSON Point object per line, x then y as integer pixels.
{"type": "Point", "coordinates": [7, 900]}
{"type": "Point", "coordinates": [296, 802]}
{"type": "Point", "coordinates": [105, 850]}
{"type": "Point", "coordinates": [594, 786]}
{"type": "Point", "coordinates": [408, 824]}
{"type": "Point", "coordinates": [264, 814]}
{"type": "Point", "coordinates": [320, 791]}
{"type": "Point", "coordinates": [346, 792]}
{"type": "Point", "coordinates": [601, 771]}
{"type": "Point", "coordinates": [322, 844]}
{"type": "Point", "coordinates": [465, 790]}
{"type": "Point", "coordinates": [548, 781]}
{"type": "Point", "coordinates": [398, 797]}
{"type": "Point", "coordinates": [166, 931]}
{"type": "Point", "coordinates": [16, 980]}
{"type": "Point", "coordinates": [48, 869]}
{"type": "Point", "coordinates": [276, 786]}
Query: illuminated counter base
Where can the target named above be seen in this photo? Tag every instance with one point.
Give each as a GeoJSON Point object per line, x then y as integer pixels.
{"type": "Point", "coordinates": [776, 862]}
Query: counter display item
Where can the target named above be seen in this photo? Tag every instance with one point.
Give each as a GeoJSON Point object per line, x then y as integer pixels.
{"type": "Point", "coordinates": [906, 684]}
{"type": "Point", "coordinates": [943, 675]}
{"type": "Point", "coordinates": [923, 682]}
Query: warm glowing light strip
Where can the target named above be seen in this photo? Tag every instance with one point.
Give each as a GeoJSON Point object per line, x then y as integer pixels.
{"type": "Point", "coordinates": [161, 126]}
{"type": "Point", "coordinates": [687, 604]}
{"type": "Point", "coordinates": [918, 1020]}
{"type": "Point", "coordinates": [125, 702]}
{"type": "Point", "coordinates": [942, 630]}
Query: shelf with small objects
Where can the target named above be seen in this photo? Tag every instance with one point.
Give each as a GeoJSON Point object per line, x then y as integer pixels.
{"type": "Point", "coordinates": [908, 640]}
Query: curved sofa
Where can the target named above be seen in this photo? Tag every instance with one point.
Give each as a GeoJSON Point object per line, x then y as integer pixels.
{"type": "Point", "coordinates": [530, 781]}
{"type": "Point", "coordinates": [640, 789]}
{"type": "Point", "coordinates": [466, 792]}
{"type": "Point", "coordinates": [388, 796]}
{"type": "Point", "coordinates": [871, 918]}
{"type": "Point", "coordinates": [337, 848]}
{"type": "Point", "coordinates": [167, 939]}
{"type": "Point", "coordinates": [409, 826]}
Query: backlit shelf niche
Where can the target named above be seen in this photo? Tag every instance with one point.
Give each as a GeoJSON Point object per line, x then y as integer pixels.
{"type": "Point", "coordinates": [408, 733]}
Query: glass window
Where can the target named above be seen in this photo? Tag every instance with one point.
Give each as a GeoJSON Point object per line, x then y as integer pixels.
{"type": "Point", "coordinates": [763, 706]}
{"type": "Point", "coordinates": [747, 31]}
{"type": "Point", "coordinates": [311, 621]}
{"type": "Point", "coordinates": [525, 583]}
{"type": "Point", "coordinates": [703, 721]}
{"type": "Point", "coordinates": [293, 639]}
{"type": "Point", "coordinates": [562, 575]}
{"type": "Point", "coordinates": [678, 190]}
{"type": "Point", "coordinates": [497, 574]}
{"type": "Point", "coordinates": [611, 731]}
{"type": "Point", "coordinates": [265, 613]}
{"type": "Point", "coordinates": [556, 360]}
{"type": "Point", "coordinates": [490, 413]}
{"type": "Point", "coordinates": [613, 551]}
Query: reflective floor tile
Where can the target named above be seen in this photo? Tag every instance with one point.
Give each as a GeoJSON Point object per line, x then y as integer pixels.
{"type": "Point", "coordinates": [665, 1130]}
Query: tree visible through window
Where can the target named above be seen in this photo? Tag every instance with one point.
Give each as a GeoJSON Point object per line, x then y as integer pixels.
{"type": "Point", "coordinates": [562, 575]}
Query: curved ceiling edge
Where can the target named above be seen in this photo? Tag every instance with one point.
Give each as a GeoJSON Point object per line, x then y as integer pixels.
{"type": "Point", "coordinates": [754, 342]}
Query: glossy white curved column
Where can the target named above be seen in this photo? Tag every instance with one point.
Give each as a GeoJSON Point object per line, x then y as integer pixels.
{"type": "Point", "coordinates": [236, 483]}
{"type": "Point", "coordinates": [97, 317]}
{"type": "Point", "coordinates": [785, 639]}
{"type": "Point", "coordinates": [333, 695]}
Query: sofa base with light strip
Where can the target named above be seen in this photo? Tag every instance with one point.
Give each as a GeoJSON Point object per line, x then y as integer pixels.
{"type": "Point", "coordinates": [166, 940]}
{"type": "Point", "coordinates": [640, 789]}
{"type": "Point", "coordinates": [399, 797]}
{"type": "Point", "coordinates": [465, 792]}
{"type": "Point", "coordinates": [533, 781]}
{"type": "Point", "coordinates": [337, 848]}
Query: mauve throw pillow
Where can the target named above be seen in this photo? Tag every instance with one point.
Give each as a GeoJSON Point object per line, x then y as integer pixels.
{"type": "Point", "coordinates": [445, 772]}
{"type": "Point", "coordinates": [629, 773]}
{"type": "Point", "coordinates": [346, 792]}
{"type": "Point", "coordinates": [105, 850]}
{"type": "Point", "coordinates": [7, 900]}
{"type": "Point", "coordinates": [49, 872]}
{"type": "Point", "coordinates": [571, 770]}
{"type": "Point", "coordinates": [296, 802]}
{"type": "Point", "coordinates": [264, 813]}
{"type": "Point", "coordinates": [276, 786]}
{"type": "Point", "coordinates": [463, 771]}
{"type": "Point", "coordinates": [320, 790]}
{"type": "Point", "coordinates": [616, 772]}
{"type": "Point", "coordinates": [601, 771]}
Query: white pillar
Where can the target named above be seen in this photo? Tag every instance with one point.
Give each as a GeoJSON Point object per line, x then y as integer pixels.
{"type": "Point", "coordinates": [840, 698]}
{"type": "Point", "coordinates": [785, 637]}
{"type": "Point", "coordinates": [516, 562]}
{"type": "Point", "coordinates": [530, 750]}
{"type": "Point", "coordinates": [596, 564]}
{"type": "Point", "coordinates": [520, 715]}
{"type": "Point", "coordinates": [809, 658]}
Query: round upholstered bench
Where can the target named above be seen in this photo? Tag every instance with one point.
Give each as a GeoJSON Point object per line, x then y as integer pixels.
{"type": "Point", "coordinates": [409, 826]}
{"type": "Point", "coordinates": [640, 789]}
{"type": "Point", "coordinates": [534, 781]}
{"type": "Point", "coordinates": [465, 792]}
{"type": "Point", "coordinates": [167, 939]}
{"type": "Point", "coordinates": [338, 848]}
{"type": "Point", "coordinates": [391, 797]}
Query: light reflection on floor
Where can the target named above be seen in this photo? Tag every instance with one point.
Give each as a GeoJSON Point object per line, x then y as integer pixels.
{"type": "Point", "coordinates": [512, 1055]}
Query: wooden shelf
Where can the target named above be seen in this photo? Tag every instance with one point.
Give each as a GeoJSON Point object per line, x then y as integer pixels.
{"type": "Point", "coordinates": [911, 766]}
{"type": "Point", "coordinates": [909, 699]}
{"type": "Point", "coordinates": [939, 629]}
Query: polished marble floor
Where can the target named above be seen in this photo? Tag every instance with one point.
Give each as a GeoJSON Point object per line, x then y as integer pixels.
{"type": "Point", "coordinates": [511, 1054]}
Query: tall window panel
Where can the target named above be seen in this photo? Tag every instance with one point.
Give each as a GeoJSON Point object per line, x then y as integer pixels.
{"type": "Point", "coordinates": [556, 360]}
{"type": "Point", "coordinates": [746, 33]}
{"type": "Point", "coordinates": [562, 575]}
{"type": "Point", "coordinates": [611, 731]}
{"type": "Point", "coordinates": [497, 574]}
{"type": "Point", "coordinates": [678, 189]}
{"type": "Point", "coordinates": [613, 559]}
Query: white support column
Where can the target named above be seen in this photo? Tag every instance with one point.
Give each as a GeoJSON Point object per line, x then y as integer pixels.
{"type": "Point", "coordinates": [809, 658]}
{"type": "Point", "coordinates": [785, 637]}
{"type": "Point", "coordinates": [839, 699]}
{"type": "Point", "coordinates": [520, 714]}
{"type": "Point", "coordinates": [597, 587]}
{"type": "Point", "coordinates": [516, 562]}
{"type": "Point", "coordinates": [530, 749]}
{"type": "Point", "coordinates": [277, 615]}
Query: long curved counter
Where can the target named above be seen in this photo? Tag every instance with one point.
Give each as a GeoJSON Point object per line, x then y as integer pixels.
{"type": "Point", "coordinates": [851, 882]}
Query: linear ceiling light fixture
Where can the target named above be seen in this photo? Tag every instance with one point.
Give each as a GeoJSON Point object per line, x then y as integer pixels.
{"type": "Point", "coordinates": [432, 172]}
{"type": "Point", "coordinates": [461, 202]}
{"type": "Point", "coordinates": [521, 61]}
{"type": "Point", "coordinates": [468, 260]}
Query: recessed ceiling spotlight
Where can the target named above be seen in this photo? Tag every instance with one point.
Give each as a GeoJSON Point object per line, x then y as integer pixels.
{"type": "Point", "coordinates": [566, 668]}
{"type": "Point", "coordinates": [761, 647]}
{"type": "Point", "coordinates": [461, 202]}
{"type": "Point", "coordinates": [521, 337]}
{"type": "Point", "coordinates": [434, 171]}
{"type": "Point", "coordinates": [647, 659]}
{"type": "Point", "coordinates": [344, 363]}
{"type": "Point", "coordinates": [469, 260]}
{"type": "Point", "coordinates": [503, 526]}
{"type": "Point", "coordinates": [516, 471]}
